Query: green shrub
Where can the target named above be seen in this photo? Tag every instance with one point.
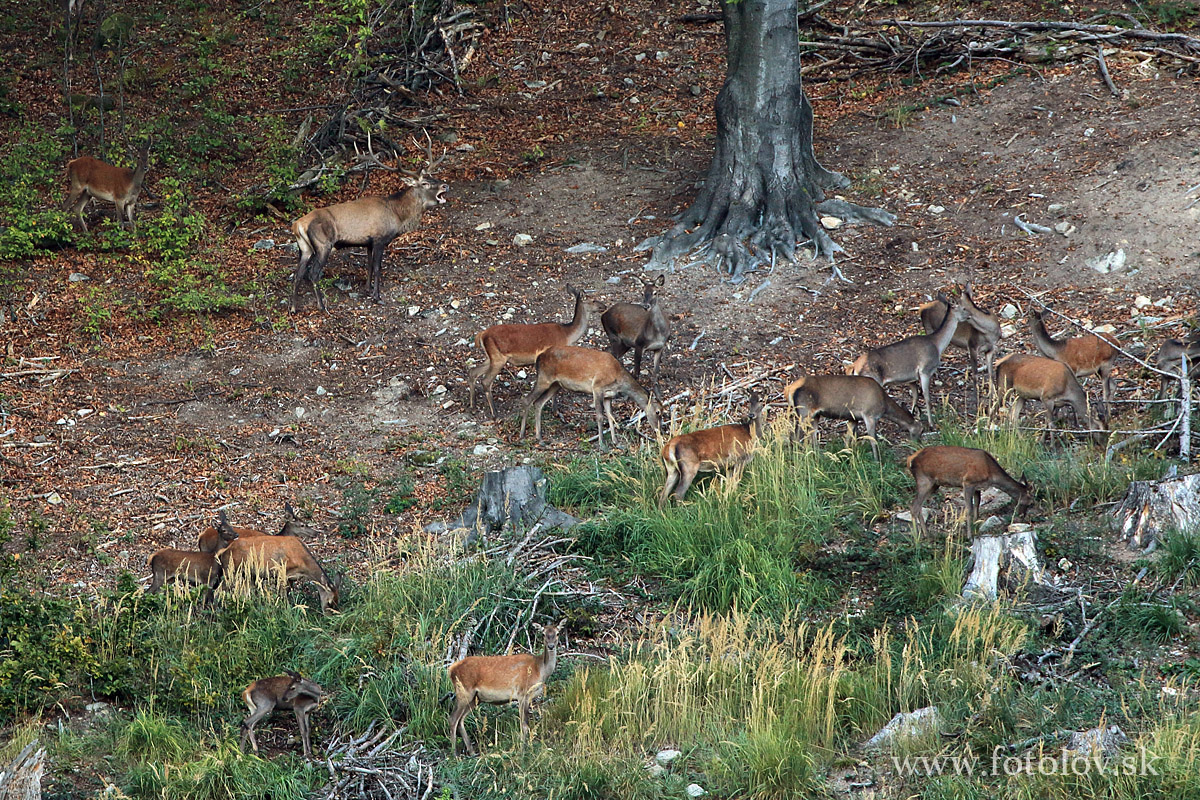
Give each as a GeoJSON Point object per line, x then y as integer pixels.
{"type": "Point", "coordinates": [1180, 559]}
{"type": "Point", "coordinates": [31, 172]}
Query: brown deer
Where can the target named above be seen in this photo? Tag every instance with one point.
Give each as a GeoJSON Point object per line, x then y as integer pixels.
{"type": "Point", "coordinates": [1170, 360]}
{"type": "Point", "coordinates": [499, 680]}
{"type": "Point", "coordinates": [283, 692]}
{"type": "Point", "coordinates": [915, 358]}
{"type": "Point", "coordinates": [215, 536]}
{"type": "Point", "coordinates": [521, 344]}
{"type": "Point", "coordinates": [978, 334]}
{"type": "Point", "coordinates": [1085, 355]}
{"type": "Point", "coordinates": [594, 372]}
{"type": "Point", "coordinates": [370, 222]}
{"type": "Point", "coordinates": [641, 328]}
{"type": "Point", "coordinates": [185, 567]}
{"type": "Point", "coordinates": [968, 469]}
{"type": "Point", "coordinates": [847, 397]}
{"type": "Point", "coordinates": [92, 179]}
{"type": "Point", "coordinates": [262, 556]}
{"type": "Point", "coordinates": [727, 447]}
{"type": "Point", "coordinates": [1052, 382]}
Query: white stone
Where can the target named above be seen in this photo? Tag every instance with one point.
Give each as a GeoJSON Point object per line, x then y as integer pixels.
{"type": "Point", "coordinates": [522, 240]}
{"type": "Point", "coordinates": [906, 516]}
{"type": "Point", "coordinates": [991, 524]}
{"type": "Point", "coordinates": [299, 412]}
{"type": "Point", "coordinates": [522, 374]}
{"type": "Point", "coordinates": [1105, 328]}
{"type": "Point", "coordinates": [76, 277]}
{"type": "Point", "coordinates": [1065, 228]}
{"type": "Point", "coordinates": [439, 389]}
{"type": "Point", "coordinates": [695, 790]}
{"type": "Point", "coordinates": [915, 724]}
{"type": "Point", "coordinates": [456, 304]}
{"type": "Point", "coordinates": [1009, 311]}
{"type": "Point", "coordinates": [936, 209]}
{"type": "Point", "coordinates": [666, 757]}
{"type": "Point", "coordinates": [414, 310]}
{"type": "Point", "coordinates": [656, 770]}
{"type": "Point", "coordinates": [1008, 331]}
{"type": "Point", "coordinates": [1141, 301]}
{"type": "Point", "coordinates": [483, 226]}
{"type": "Point", "coordinates": [321, 392]}
{"type": "Point", "coordinates": [829, 223]}
{"type": "Point", "coordinates": [484, 449]}
{"type": "Point", "coordinates": [1109, 262]}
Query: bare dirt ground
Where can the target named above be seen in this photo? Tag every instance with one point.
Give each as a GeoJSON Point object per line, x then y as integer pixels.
{"type": "Point", "coordinates": [124, 455]}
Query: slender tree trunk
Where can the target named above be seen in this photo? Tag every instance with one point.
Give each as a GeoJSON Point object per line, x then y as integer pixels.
{"type": "Point", "coordinates": [761, 194]}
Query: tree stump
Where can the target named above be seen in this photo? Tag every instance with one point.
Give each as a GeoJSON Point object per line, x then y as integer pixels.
{"type": "Point", "coordinates": [1011, 555]}
{"type": "Point", "coordinates": [513, 497]}
{"type": "Point", "coordinates": [22, 779]}
{"type": "Point", "coordinates": [1152, 507]}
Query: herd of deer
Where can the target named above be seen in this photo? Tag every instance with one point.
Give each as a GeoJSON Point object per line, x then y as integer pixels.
{"type": "Point", "coordinates": [857, 396]}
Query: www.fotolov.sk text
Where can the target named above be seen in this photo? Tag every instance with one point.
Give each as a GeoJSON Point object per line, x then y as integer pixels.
{"type": "Point", "coordinates": [1067, 762]}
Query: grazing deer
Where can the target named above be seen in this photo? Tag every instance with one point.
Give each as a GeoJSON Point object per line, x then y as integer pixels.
{"type": "Point", "coordinates": [594, 372]}
{"type": "Point", "coordinates": [215, 537]}
{"type": "Point", "coordinates": [978, 334]}
{"type": "Point", "coordinates": [725, 447]}
{"type": "Point", "coordinates": [283, 692]}
{"type": "Point", "coordinates": [639, 328]}
{"type": "Point", "coordinates": [370, 222]}
{"type": "Point", "coordinates": [521, 344]}
{"type": "Point", "coordinates": [261, 556]}
{"type": "Point", "coordinates": [186, 567]}
{"type": "Point", "coordinates": [847, 397]}
{"type": "Point", "coordinates": [1170, 360]}
{"type": "Point", "coordinates": [498, 680]}
{"type": "Point", "coordinates": [915, 358]}
{"type": "Point", "coordinates": [1085, 355]}
{"type": "Point", "coordinates": [968, 469]}
{"type": "Point", "coordinates": [1052, 382]}
{"type": "Point", "coordinates": [92, 179]}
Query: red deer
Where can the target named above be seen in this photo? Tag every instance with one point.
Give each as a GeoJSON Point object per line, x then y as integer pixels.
{"type": "Point", "coordinates": [915, 358]}
{"type": "Point", "coordinates": [643, 329]}
{"type": "Point", "coordinates": [521, 344]}
{"type": "Point", "coordinates": [847, 397]}
{"type": "Point", "coordinates": [594, 372]}
{"type": "Point", "coordinates": [186, 567]}
{"type": "Point", "coordinates": [211, 539]}
{"type": "Point", "coordinates": [1052, 382]}
{"type": "Point", "coordinates": [370, 222]}
{"type": "Point", "coordinates": [968, 469]}
{"type": "Point", "coordinates": [262, 556]}
{"type": "Point", "coordinates": [91, 179]}
{"type": "Point", "coordinates": [1170, 360]}
{"type": "Point", "coordinates": [1085, 355]}
{"type": "Point", "coordinates": [978, 334]}
{"type": "Point", "coordinates": [499, 680]}
{"type": "Point", "coordinates": [725, 447]}
{"type": "Point", "coordinates": [283, 692]}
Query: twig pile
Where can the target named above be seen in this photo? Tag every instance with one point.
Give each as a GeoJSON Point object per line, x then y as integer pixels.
{"type": "Point", "coordinates": [371, 767]}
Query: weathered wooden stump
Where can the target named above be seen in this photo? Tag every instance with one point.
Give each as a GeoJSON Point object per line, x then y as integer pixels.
{"type": "Point", "coordinates": [1011, 555]}
{"type": "Point", "coordinates": [22, 779]}
{"type": "Point", "coordinates": [1152, 507]}
{"type": "Point", "coordinates": [513, 497]}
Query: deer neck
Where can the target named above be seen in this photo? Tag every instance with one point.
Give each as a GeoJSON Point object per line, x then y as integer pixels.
{"type": "Point", "coordinates": [549, 659]}
{"type": "Point", "coordinates": [1041, 338]}
{"type": "Point", "coordinates": [578, 325]}
{"type": "Point", "coordinates": [945, 332]}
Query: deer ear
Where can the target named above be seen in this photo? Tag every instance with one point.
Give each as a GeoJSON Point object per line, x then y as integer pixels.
{"type": "Point", "coordinates": [288, 511]}
{"type": "Point", "coordinates": [662, 279]}
{"type": "Point", "coordinates": [293, 674]}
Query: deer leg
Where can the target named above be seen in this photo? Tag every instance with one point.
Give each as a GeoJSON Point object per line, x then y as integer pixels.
{"type": "Point", "coordinates": [869, 423]}
{"type": "Point", "coordinates": [1106, 389]}
{"type": "Point", "coordinates": [925, 485]}
{"type": "Point", "coordinates": [597, 403]}
{"type": "Point", "coordinates": [80, 200]}
{"type": "Point", "coordinates": [637, 363]}
{"type": "Point", "coordinates": [925, 378]}
{"type": "Point", "coordinates": [689, 469]}
{"type": "Point", "coordinates": [315, 270]}
{"type": "Point", "coordinates": [971, 498]}
{"type": "Point", "coordinates": [973, 365]}
{"type": "Point", "coordinates": [547, 395]}
{"type": "Point", "coordinates": [302, 721]}
{"type": "Point", "coordinates": [526, 404]}
{"type": "Point", "coordinates": [458, 725]}
{"type": "Point", "coordinates": [612, 422]}
{"type": "Point", "coordinates": [248, 725]}
{"type": "Point", "coordinates": [669, 485]}
{"type": "Point", "coordinates": [524, 706]}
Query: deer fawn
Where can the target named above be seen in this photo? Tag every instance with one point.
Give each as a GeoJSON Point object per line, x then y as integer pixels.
{"type": "Point", "coordinates": [215, 537]}
{"type": "Point", "coordinates": [1085, 355]}
{"type": "Point", "coordinates": [725, 447]}
{"type": "Point", "coordinates": [847, 397]}
{"type": "Point", "coordinates": [186, 567]}
{"type": "Point", "coordinates": [370, 222]}
{"type": "Point", "coordinates": [638, 328]}
{"type": "Point", "coordinates": [915, 358]}
{"type": "Point", "coordinates": [978, 334]}
{"type": "Point", "coordinates": [1052, 382]}
{"type": "Point", "coordinates": [967, 468]}
{"type": "Point", "coordinates": [290, 691]}
{"type": "Point", "coordinates": [594, 372]}
{"type": "Point", "coordinates": [499, 680]}
{"type": "Point", "coordinates": [520, 345]}
{"type": "Point", "coordinates": [91, 179]}
{"type": "Point", "coordinates": [261, 556]}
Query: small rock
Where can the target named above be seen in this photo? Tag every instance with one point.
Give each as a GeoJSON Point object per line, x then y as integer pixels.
{"type": "Point", "coordinates": [587, 247]}
{"type": "Point", "coordinates": [1064, 564]}
{"type": "Point", "coordinates": [522, 240]}
{"type": "Point", "coordinates": [439, 389]}
{"type": "Point", "coordinates": [660, 55]}
{"type": "Point", "coordinates": [695, 90]}
{"type": "Point", "coordinates": [695, 790]}
{"type": "Point", "coordinates": [465, 148]}
{"type": "Point", "coordinates": [1055, 207]}
{"type": "Point", "coordinates": [1103, 742]}
{"type": "Point", "coordinates": [640, 57]}
{"type": "Point", "coordinates": [414, 310]}
{"type": "Point", "coordinates": [666, 757]}
{"type": "Point", "coordinates": [1009, 311]}
{"type": "Point", "coordinates": [829, 223]}
{"type": "Point", "coordinates": [483, 226]}
{"type": "Point", "coordinates": [936, 209]}
{"type": "Point", "coordinates": [1105, 328]}
{"type": "Point", "coordinates": [97, 708]}
{"type": "Point", "coordinates": [906, 516]}
{"type": "Point", "coordinates": [290, 248]}
{"type": "Point", "coordinates": [535, 84]}
{"type": "Point", "coordinates": [656, 770]}
{"type": "Point", "coordinates": [522, 374]}
{"type": "Point", "coordinates": [922, 722]}
{"type": "Point", "coordinates": [1065, 228]}
{"type": "Point", "coordinates": [1141, 301]}
{"type": "Point", "coordinates": [300, 412]}
{"type": "Point", "coordinates": [992, 523]}
{"type": "Point", "coordinates": [614, 280]}
{"type": "Point", "coordinates": [263, 244]}
{"type": "Point", "coordinates": [456, 304]}
{"type": "Point", "coordinates": [235, 371]}
{"type": "Point", "coordinates": [1109, 262]}
{"type": "Point", "coordinates": [484, 449]}
{"type": "Point", "coordinates": [76, 277]}
{"type": "Point", "coordinates": [1008, 331]}
{"type": "Point", "coordinates": [54, 499]}
{"type": "Point", "coordinates": [321, 392]}
{"type": "Point", "coordinates": [449, 137]}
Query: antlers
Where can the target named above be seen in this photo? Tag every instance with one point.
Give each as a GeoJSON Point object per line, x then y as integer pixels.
{"type": "Point", "coordinates": [430, 164]}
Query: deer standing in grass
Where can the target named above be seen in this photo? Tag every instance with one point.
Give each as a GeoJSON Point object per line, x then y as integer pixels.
{"type": "Point", "coordinates": [1052, 382]}
{"type": "Point", "coordinates": [185, 567]}
{"type": "Point", "coordinates": [215, 536]}
{"type": "Point", "coordinates": [92, 179]}
{"type": "Point", "coordinates": [498, 680]}
{"type": "Point", "coordinates": [521, 344]}
{"type": "Point", "coordinates": [263, 556]}
{"type": "Point", "coordinates": [594, 372]}
{"type": "Point", "coordinates": [643, 329]}
{"type": "Point", "coordinates": [913, 359]}
{"type": "Point", "coordinates": [283, 692]}
{"type": "Point", "coordinates": [727, 447]}
{"type": "Point", "coordinates": [1085, 355]}
{"type": "Point", "coordinates": [968, 469]}
{"type": "Point", "coordinates": [847, 397]}
{"type": "Point", "coordinates": [978, 334]}
{"type": "Point", "coordinates": [370, 222]}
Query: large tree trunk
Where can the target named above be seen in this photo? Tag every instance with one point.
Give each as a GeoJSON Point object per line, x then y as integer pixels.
{"type": "Point", "coordinates": [764, 185]}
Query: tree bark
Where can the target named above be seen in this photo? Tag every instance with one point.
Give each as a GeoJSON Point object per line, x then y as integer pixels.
{"type": "Point", "coordinates": [764, 185]}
